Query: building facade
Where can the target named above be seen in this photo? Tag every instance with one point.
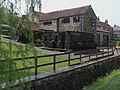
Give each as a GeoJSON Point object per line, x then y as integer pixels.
{"type": "Point", "coordinates": [81, 19]}
{"type": "Point", "coordinates": [104, 33]}
{"type": "Point", "coordinates": [116, 31]}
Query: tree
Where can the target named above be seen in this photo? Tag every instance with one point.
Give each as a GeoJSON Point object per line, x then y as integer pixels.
{"type": "Point", "coordinates": [10, 17]}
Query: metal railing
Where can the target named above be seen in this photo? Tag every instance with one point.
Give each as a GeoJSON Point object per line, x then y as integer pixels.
{"type": "Point", "coordinates": [70, 56]}
{"type": "Point", "coordinates": [80, 56]}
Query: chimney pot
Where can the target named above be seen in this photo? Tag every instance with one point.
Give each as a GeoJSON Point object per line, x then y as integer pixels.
{"type": "Point", "coordinates": [98, 18]}
{"type": "Point", "coordinates": [114, 25]}
{"type": "Point", "coordinates": [106, 21]}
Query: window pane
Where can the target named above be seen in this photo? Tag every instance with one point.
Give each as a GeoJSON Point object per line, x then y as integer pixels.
{"type": "Point", "coordinates": [66, 20]}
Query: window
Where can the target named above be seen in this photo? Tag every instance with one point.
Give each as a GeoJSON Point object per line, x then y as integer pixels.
{"type": "Point", "coordinates": [108, 29]}
{"type": "Point", "coordinates": [104, 28]}
{"type": "Point", "coordinates": [93, 22]}
{"type": "Point", "coordinates": [99, 27]}
{"type": "Point", "coordinates": [76, 19]}
{"type": "Point", "coordinates": [47, 23]}
{"type": "Point", "coordinates": [66, 20]}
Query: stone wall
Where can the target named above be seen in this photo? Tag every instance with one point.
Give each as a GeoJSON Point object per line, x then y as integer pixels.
{"type": "Point", "coordinates": [88, 16]}
{"type": "Point", "coordinates": [77, 77]}
{"type": "Point", "coordinates": [69, 26]}
{"type": "Point", "coordinates": [57, 24]}
{"type": "Point", "coordinates": [102, 41]}
{"type": "Point", "coordinates": [53, 26]}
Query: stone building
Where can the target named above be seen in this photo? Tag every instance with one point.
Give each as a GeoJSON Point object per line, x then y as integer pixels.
{"type": "Point", "coordinates": [116, 31]}
{"type": "Point", "coordinates": [104, 33]}
{"type": "Point", "coordinates": [82, 19]}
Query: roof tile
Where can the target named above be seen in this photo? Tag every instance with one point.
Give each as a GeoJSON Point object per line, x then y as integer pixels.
{"type": "Point", "coordinates": [65, 13]}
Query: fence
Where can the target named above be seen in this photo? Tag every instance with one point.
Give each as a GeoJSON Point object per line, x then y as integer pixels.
{"type": "Point", "coordinates": [87, 55]}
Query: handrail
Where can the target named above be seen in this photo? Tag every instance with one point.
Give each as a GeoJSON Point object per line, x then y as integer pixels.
{"type": "Point", "coordinates": [36, 65]}
{"type": "Point", "coordinates": [55, 62]}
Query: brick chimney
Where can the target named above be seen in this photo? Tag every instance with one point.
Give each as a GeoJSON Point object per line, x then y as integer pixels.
{"type": "Point", "coordinates": [106, 21]}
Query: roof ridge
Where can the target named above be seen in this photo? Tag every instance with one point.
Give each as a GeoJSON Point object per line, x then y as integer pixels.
{"type": "Point", "coordinates": [103, 23]}
{"type": "Point", "coordinates": [68, 9]}
{"type": "Point", "coordinates": [66, 12]}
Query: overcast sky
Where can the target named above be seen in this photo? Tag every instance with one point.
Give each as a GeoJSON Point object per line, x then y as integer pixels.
{"type": "Point", "coordinates": [105, 9]}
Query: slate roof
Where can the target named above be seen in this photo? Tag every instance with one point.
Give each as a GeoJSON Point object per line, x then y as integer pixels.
{"type": "Point", "coordinates": [103, 24]}
{"type": "Point", "coordinates": [65, 13]}
{"type": "Point", "coordinates": [116, 27]}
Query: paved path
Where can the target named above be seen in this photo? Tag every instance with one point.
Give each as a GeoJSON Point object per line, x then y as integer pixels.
{"type": "Point", "coordinates": [38, 48]}
{"type": "Point", "coordinates": [57, 52]}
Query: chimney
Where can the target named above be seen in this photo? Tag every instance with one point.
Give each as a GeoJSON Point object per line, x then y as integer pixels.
{"type": "Point", "coordinates": [31, 9]}
{"type": "Point", "coordinates": [98, 19]}
{"type": "Point", "coordinates": [106, 21]}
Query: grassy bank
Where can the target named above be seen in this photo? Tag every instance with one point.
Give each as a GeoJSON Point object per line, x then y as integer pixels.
{"type": "Point", "coordinates": [110, 82]}
{"type": "Point", "coordinates": [16, 51]}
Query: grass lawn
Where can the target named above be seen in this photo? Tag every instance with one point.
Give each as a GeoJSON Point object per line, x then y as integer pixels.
{"type": "Point", "coordinates": [117, 46]}
{"type": "Point", "coordinates": [110, 82]}
{"type": "Point", "coordinates": [20, 51]}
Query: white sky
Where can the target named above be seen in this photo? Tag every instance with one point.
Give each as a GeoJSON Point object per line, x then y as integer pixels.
{"type": "Point", "coordinates": [105, 9]}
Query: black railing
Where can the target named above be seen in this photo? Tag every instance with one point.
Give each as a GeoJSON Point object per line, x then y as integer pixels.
{"type": "Point", "coordinates": [69, 57]}
{"type": "Point", "coordinates": [88, 57]}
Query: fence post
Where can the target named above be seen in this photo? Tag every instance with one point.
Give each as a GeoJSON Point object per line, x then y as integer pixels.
{"type": "Point", "coordinates": [89, 56]}
{"type": "Point", "coordinates": [103, 52]}
{"type": "Point", "coordinates": [69, 59]}
{"type": "Point", "coordinates": [35, 67]}
{"type": "Point", "coordinates": [54, 63]}
{"type": "Point", "coordinates": [80, 57]}
{"type": "Point", "coordinates": [96, 54]}
{"type": "Point", "coordinates": [108, 51]}
{"type": "Point", "coordinates": [112, 50]}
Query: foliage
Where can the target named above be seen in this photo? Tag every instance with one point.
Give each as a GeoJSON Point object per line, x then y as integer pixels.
{"type": "Point", "coordinates": [115, 39]}
{"type": "Point", "coordinates": [8, 16]}
{"type": "Point", "coordinates": [110, 82]}
{"type": "Point", "coordinates": [117, 43]}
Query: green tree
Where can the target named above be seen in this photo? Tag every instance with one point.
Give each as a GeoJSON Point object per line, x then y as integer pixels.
{"type": "Point", "coordinates": [10, 17]}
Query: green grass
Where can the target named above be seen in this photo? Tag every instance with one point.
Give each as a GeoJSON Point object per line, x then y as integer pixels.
{"type": "Point", "coordinates": [19, 52]}
{"type": "Point", "coordinates": [117, 46]}
{"type": "Point", "coordinates": [110, 82]}
{"type": "Point", "coordinates": [5, 36]}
